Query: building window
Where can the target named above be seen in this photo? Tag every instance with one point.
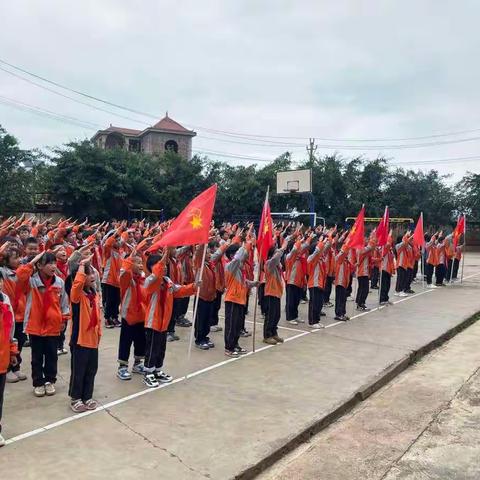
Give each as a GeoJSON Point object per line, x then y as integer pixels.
{"type": "Point", "coordinates": [114, 140]}
{"type": "Point", "coordinates": [171, 146]}
{"type": "Point", "coordinates": [133, 145]}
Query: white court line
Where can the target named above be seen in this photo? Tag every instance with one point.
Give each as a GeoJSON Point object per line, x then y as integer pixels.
{"type": "Point", "coordinates": [146, 391]}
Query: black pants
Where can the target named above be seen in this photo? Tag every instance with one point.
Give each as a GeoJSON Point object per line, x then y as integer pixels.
{"type": "Point", "coordinates": [315, 305]}
{"type": "Point", "coordinates": [456, 265]}
{"type": "Point", "coordinates": [21, 337]}
{"type": "Point", "coordinates": [3, 378]}
{"type": "Point", "coordinates": [61, 338]}
{"type": "Point", "coordinates": [272, 316]}
{"type": "Point", "coordinates": [216, 308]}
{"type": "Point", "coordinates": [374, 277]}
{"type": "Point", "coordinates": [385, 286]}
{"type": "Point", "coordinates": [449, 269]}
{"type": "Point", "coordinates": [415, 269]}
{"type": "Point", "coordinates": [183, 306]}
{"type": "Point", "coordinates": [350, 286]}
{"type": "Point", "coordinates": [234, 319]}
{"type": "Point", "coordinates": [294, 295]}
{"type": "Point", "coordinates": [112, 302]}
{"type": "Point", "coordinates": [44, 359]}
{"type": "Point", "coordinates": [202, 320]}
{"type": "Point", "coordinates": [429, 273]}
{"type": "Point", "coordinates": [408, 280]}
{"type": "Point", "coordinates": [362, 290]}
{"type": "Point", "coordinates": [84, 366]}
{"type": "Point", "coordinates": [261, 297]}
{"type": "Point", "coordinates": [440, 271]}
{"type": "Point", "coordinates": [401, 279]}
{"type": "Point", "coordinates": [131, 334]}
{"type": "Point", "coordinates": [340, 301]}
{"type": "Point", "coordinates": [176, 309]}
{"type": "Point", "coordinates": [155, 347]}
{"type": "Point", "coordinates": [328, 289]}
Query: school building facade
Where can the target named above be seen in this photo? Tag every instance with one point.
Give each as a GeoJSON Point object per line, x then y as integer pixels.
{"type": "Point", "coordinates": [167, 134]}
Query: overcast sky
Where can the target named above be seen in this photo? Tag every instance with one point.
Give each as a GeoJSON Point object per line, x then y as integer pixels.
{"type": "Point", "coordinates": [341, 70]}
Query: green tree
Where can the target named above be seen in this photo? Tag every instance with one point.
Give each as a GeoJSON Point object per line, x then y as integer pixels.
{"type": "Point", "coordinates": [468, 196]}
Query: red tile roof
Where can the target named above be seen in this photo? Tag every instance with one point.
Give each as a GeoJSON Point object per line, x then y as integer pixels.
{"type": "Point", "coordinates": [166, 123]}
{"type": "Point", "coordinates": [126, 131]}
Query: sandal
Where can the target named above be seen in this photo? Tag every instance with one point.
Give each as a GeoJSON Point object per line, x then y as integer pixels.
{"type": "Point", "coordinates": [91, 404]}
{"type": "Point", "coordinates": [78, 406]}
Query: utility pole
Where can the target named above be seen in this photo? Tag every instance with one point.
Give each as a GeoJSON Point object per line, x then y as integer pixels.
{"type": "Point", "coordinates": [311, 149]}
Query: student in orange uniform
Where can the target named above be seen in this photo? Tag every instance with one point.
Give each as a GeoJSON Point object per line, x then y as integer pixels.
{"type": "Point", "coordinates": [317, 277]}
{"type": "Point", "coordinates": [206, 300]}
{"type": "Point", "coordinates": [85, 338]}
{"type": "Point", "coordinates": [363, 271]}
{"type": "Point", "coordinates": [62, 271]}
{"type": "Point", "coordinates": [132, 312]}
{"type": "Point", "coordinates": [235, 297]}
{"type": "Point", "coordinates": [388, 270]}
{"type": "Point", "coordinates": [432, 258]}
{"type": "Point", "coordinates": [274, 286]}
{"type": "Point", "coordinates": [295, 277]}
{"type": "Point", "coordinates": [112, 259]}
{"type": "Point", "coordinates": [343, 270]}
{"type": "Point", "coordinates": [159, 291]}
{"type": "Point", "coordinates": [402, 264]}
{"type": "Point", "coordinates": [11, 286]}
{"type": "Point", "coordinates": [217, 260]}
{"type": "Point", "coordinates": [8, 345]}
{"type": "Point", "coordinates": [46, 310]}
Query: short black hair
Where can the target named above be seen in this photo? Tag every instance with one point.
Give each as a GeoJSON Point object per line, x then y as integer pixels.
{"type": "Point", "coordinates": [231, 251]}
{"type": "Point", "coordinates": [31, 240]}
{"type": "Point", "coordinates": [47, 258]}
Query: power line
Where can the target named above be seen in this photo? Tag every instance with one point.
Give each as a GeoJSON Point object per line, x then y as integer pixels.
{"type": "Point", "coordinates": [249, 136]}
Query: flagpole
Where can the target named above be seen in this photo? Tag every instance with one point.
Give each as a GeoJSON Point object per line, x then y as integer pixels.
{"type": "Point", "coordinates": [380, 275]}
{"type": "Point", "coordinates": [195, 308]}
{"type": "Point", "coordinates": [464, 246]}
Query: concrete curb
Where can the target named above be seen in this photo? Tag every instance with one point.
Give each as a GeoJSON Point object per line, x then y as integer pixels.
{"type": "Point", "coordinates": [362, 394]}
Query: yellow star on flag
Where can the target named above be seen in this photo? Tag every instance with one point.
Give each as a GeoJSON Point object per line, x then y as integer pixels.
{"type": "Point", "coordinates": [196, 221]}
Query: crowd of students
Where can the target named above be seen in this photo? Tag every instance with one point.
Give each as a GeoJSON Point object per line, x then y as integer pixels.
{"type": "Point", "coordinates": [94, 276]}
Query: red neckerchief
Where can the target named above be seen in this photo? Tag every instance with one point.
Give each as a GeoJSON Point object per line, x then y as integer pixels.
{"type": "Point", "coordinates": [63, 268]}
{"type": "Point", "coordinates": [7, 318]}
{"type": "Point", "coordinates": [47, 296]}
{"type": "Point", "coordinates": [92, 296]}
{"type": "Point", "coordinates": [138, 288]}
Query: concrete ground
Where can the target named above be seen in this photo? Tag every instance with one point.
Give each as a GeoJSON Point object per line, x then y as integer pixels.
{"type": "Point", "coordinates": [230, 415]}
{"type": "Point", "coordinates": [424, 425]}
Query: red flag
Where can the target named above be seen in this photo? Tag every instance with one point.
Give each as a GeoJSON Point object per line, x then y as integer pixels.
{"type": "Point", "coordinates": [459, 230]}
{"type": "Point", "coordinates": [383, 229]}
{"type": "Point", "coordinates": [192, 225]}
{"type": "Point", "coordinates": [356, 237]}
{"type": "Point", "coordinates": [418, 235]}
{"type": "Point", "coordinates": [265, 232]}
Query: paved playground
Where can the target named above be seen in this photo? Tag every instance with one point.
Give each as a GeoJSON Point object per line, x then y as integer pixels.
{"type": "Point", "coordinates": [228, 415]}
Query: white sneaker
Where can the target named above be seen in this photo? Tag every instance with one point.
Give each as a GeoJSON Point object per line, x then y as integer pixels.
{"type": "Point", "coordinates": [20, 375]}
{"type": "Point", "coordinates": [317, 326]}
{"type": "Point", "coordinates": [397, 294]}
{"type": "Point", "coordinates": [431, 286]}
{"type": "Point", "coordinates": [12, 378]}
{"type": "Point", "coordinates": [403, 294]}
{"type": "Point", "coordinates": [49, 389]}
{"type": "Point", "coordinates": [300, 320]}
{"type": "Point", "coordinates": [2, 441]}
{"type": "Point", "coordinates": [292, 322]}
{"type": "Point", "coordinates": [39, 391]}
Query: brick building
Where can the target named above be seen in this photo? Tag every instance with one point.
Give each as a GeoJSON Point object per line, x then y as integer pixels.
{"type": "Point", "coordinates": [167, 134]}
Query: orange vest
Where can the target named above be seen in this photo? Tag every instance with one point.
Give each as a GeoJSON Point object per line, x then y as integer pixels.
{"type": "Point", "coordinates": [273, 275]}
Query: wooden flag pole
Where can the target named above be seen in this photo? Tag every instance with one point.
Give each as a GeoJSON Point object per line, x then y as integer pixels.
{"type": "Point", "coordinates": [195, 308]}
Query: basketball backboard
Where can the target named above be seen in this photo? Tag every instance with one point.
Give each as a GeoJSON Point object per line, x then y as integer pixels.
{"type": "Point", "coordinates": [294, 181]}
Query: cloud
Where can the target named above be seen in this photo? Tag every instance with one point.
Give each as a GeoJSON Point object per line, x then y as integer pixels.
{"type": "Point", "coordinates": [346, 69]}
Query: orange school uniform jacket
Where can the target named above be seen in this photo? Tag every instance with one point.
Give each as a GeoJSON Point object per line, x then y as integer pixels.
{"type": "Point", "coordinates": [364, 257]}
{"type": "Point", "coordinates": [402, 253]}
{"type": "Point", "coordinates": [343, 268]}
{"type": "Point", "coordinates": [432, 253]}
{"type": "Point", "coordinates": [8, 345]}
{"type": "Point", "coordinates": [132, 307]}
{"type": "Point", "coordinates": [159, 292]}
{"type": "Point", "coordinates": [317, 266]}
{"type": "Point", "coordinates": [208, 291]}
{"type": "Point", "coordinates": [14, 291]}
{"type": "Point", "coordinates": [235, 277]}
{"type": "Point", "coordinates": [86, 321]}
{"type": "Point", "coordinates": [217, 260]}
{"type": "Point", "coordinates": [273, 275]}
{"type": "Point", "coordinates": [46, 308]}
{"type": "Point", "coordinates": [295, 275]}
{"type": "Point", "coordinates": [111, 263]}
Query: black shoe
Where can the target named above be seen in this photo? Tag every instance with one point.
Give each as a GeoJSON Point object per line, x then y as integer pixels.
{"type": "Point", "coordinates": [410, 291]}
{"type": "Point", "coordinates": [374, 288]}
{"type": "Point", "coordinates": [117, 323]}
{"type": "Point", "coordinates": [245, 333]}
{"type": "Point", "coordinates": [202, 346]}
{"type": "Point", "coordinates": [183, 322]}
{"type": "Point", "coordinates": [240, 350]}
{"type": "Point", "coordinates": [210, 344]}
{"type": "Point", "coordinates": [109, 323]}
{"type": "Point", "coordinates": [339, 318]}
